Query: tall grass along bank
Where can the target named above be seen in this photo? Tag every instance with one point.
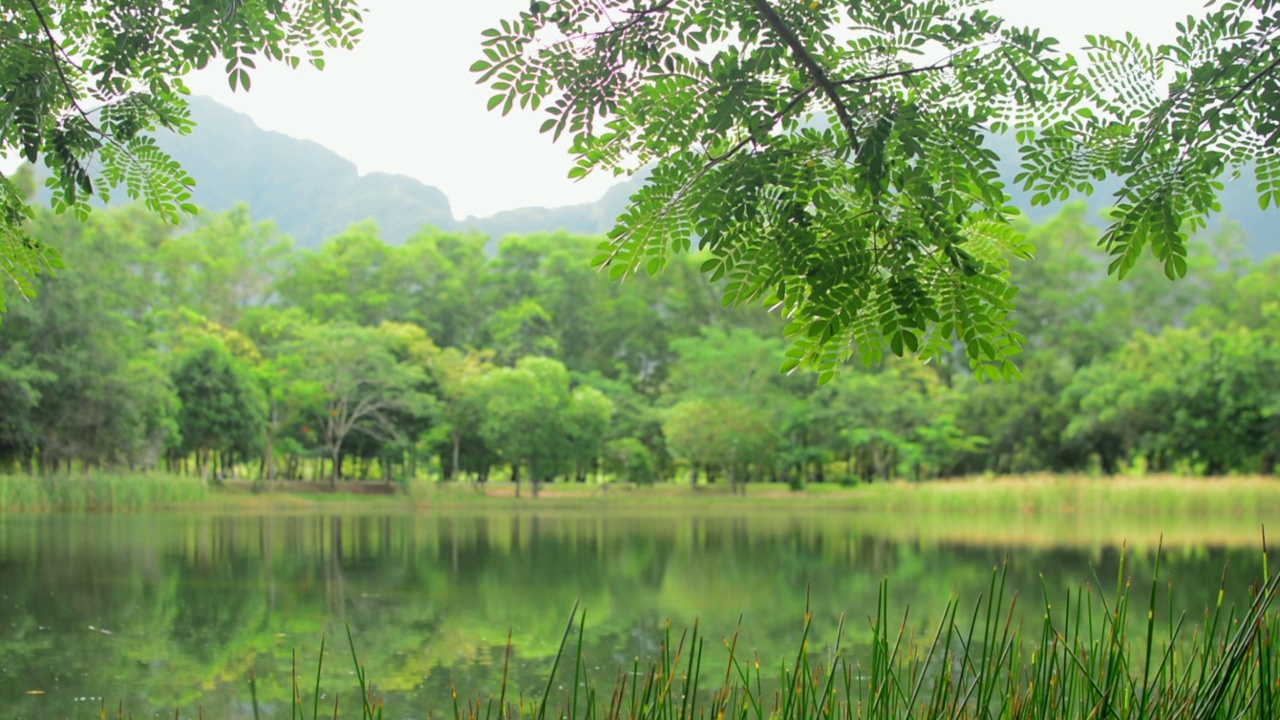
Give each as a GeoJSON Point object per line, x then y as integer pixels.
{"type": "Point", "coordinates": [99, 492]}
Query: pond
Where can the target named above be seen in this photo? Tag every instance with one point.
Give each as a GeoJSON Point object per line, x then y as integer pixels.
{"type": "Point", "coordinates": [173, 611]}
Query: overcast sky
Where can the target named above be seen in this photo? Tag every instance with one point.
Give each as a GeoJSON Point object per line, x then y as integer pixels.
{"type": "Point", "coordinates": [403, 100]}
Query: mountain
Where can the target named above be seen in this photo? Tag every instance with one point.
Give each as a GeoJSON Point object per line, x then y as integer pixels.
{"type": "Point", "coordinates": [308, 190]}
{"type": "Point", "coordinates": [312, 193]}
{"type": "Point", "coordinates": [594, 218]}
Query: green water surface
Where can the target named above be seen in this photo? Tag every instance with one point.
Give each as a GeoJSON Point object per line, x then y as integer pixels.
{"type": "Point", "coordinates": [172, 612]}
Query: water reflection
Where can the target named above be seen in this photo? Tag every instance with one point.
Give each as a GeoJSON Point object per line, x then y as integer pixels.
{"type": "Point", "coordinates": [173, 611]}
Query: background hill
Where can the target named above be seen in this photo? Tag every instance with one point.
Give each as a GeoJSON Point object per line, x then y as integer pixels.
{"type": "Point", "coordinates": [308, 190]}
{"type": "Point", "coordinates": [313, 193]}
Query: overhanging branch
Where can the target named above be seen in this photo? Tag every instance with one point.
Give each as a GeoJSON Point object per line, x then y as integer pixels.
{"type": "Point", "coordinates": [806, 59]}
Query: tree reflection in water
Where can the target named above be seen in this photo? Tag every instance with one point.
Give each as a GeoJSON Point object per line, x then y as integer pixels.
{"type": "Point", "coordinates": [173, 611]}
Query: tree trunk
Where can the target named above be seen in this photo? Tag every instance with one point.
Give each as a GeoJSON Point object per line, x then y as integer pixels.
{"type": "Point", "coordinates": [457, 450]}
{"type": "Point", "coordinates": [268, 451]}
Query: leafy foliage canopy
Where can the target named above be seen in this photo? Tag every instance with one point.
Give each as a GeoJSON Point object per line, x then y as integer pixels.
{"type": "Point", "coordinates": [833, 157]}
{"type": "Point", "coordinates": [83, 82]}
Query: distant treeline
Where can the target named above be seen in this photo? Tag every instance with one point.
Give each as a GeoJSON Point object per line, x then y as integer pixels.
{"type": "Point", "coordinates": [218, 349]}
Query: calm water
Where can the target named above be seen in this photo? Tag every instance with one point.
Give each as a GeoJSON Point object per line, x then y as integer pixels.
{"type": "Point", "coordinates": [173, 611]}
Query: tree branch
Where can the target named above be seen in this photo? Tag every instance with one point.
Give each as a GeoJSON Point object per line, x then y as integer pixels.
{"type": "Point", "coordinates": [820, 77]}
{"type": "Point", "coordinates": [656, 8]}
{"type": "Point", "coordinates": [636, 16]}
{"type": "Point", "coordinates": [54, 51]}
{"type": "Point", "coordinates": [1244, 87]}
{"type": "Point", "coordinates": [795, 101]}
{"type": "Point", "coordinates": [893, 74]}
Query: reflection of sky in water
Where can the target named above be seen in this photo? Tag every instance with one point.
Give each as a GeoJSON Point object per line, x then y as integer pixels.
{"type": "Point", "coordinates": [175, 610]}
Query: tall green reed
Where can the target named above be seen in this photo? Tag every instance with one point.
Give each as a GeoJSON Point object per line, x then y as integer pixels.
{"type": "Point", "coordinates": [1094, 658]}
{"type": "Point", "coordinates": [1084, 661]}
{"type": "Point", "coordinates": [98, 491]}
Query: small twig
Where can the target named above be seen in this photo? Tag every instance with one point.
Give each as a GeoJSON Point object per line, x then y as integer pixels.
{"type": "Point", "coordinates": [659, 7]}
{"type": "Point", "coordinates": [861, 79]}
{"type": "Point", "coordinates": [1242, 90]}
{"type": "Point", "coordinates": [773, 121]}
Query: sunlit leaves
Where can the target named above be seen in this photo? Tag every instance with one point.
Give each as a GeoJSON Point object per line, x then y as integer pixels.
{"type": "Point", "coordinates": [1169, 121]}
{"type": "Point", "coordinates": [842, 200]}
{"type": "Point", "coordinates": [83, 83]}
{"type": "Point", "coordinates": [831, 157]}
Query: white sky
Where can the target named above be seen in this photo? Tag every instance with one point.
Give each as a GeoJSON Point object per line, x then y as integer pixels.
{"type": "Point", "coordinates": [404, 102]}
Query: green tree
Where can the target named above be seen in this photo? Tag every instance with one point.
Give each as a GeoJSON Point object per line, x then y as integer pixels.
{"type": "Point", "coordinates": [222, 411]}
{"type": "Point", "coordinates": [83, 85]}
{"type": "Point", "coordinates": [721, 435]}
{"type": "Point", "coordinates": [103, 398]}
{"type": "Point", "coordinates": [225, 265]}
{"type": "Point", "coordinates": [290, 396]}
{"type": "Point", "coordinates": [20, 383]}
{"type": "Point", "coordinates": [439, 283]}
{"type": "Point", "coordinates": [1186, 399]}
{"type": "Point", "coordinates": [358, 385]}
{"type": "Point", "coordinates": [522, 330]}
{"type": "Point", "coordinates": [898, 420]}
{"type": "Point", "coordinates": [586, 422]}
{"type": "Point", "coordinates": [832, 157]}
{"type": "Point", "coordinates": [343, 280]}
{"type": "Point", "coordinates": [630, 460]}
{"type": "Point", "coordinates": [535, 421]}
{"type": "Point", "coordinates": [458, 376]}
{"type": "Point", "coordinates": [728, 378]}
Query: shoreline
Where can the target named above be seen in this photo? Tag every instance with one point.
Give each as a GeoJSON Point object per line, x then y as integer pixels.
{"type": "Point", "coordinates": [1035, 511]}
{"type": "Point", "coordinates": [1025, 495]}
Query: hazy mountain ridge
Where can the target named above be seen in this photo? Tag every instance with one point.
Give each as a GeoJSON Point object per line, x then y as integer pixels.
{"type": "Point", "coordinates": [313, 193]}
{"type": "Point", "coordinates": [595, 218]}
{"type": "Point", "coordinates": [309, 191]}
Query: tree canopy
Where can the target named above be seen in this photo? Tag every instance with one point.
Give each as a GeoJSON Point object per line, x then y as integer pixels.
{"type": "Point", "coordinates": [835, 159]}
{"type": "Point", "coordinates": [84, 82]}
{"type": "Point", "coordinates": [216, 348]}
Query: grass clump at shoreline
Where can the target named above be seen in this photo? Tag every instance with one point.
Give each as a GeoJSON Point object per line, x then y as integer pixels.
{"type": "Point", "coordinates": [1039, 494]}
{"type": "Point", "coordinates": [1098, 656]}
{"type": "Point", "coordinates": [115, 492]}
{"type": "Point", "coordinates": [1245, 498]}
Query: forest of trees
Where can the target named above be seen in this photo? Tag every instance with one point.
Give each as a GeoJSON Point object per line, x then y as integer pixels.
{"type": "Point", "coordinates": [217, 348]}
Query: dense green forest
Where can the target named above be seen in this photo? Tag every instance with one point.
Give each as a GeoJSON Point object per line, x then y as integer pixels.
{"type": "Point", "coordinates": [218, 349]}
